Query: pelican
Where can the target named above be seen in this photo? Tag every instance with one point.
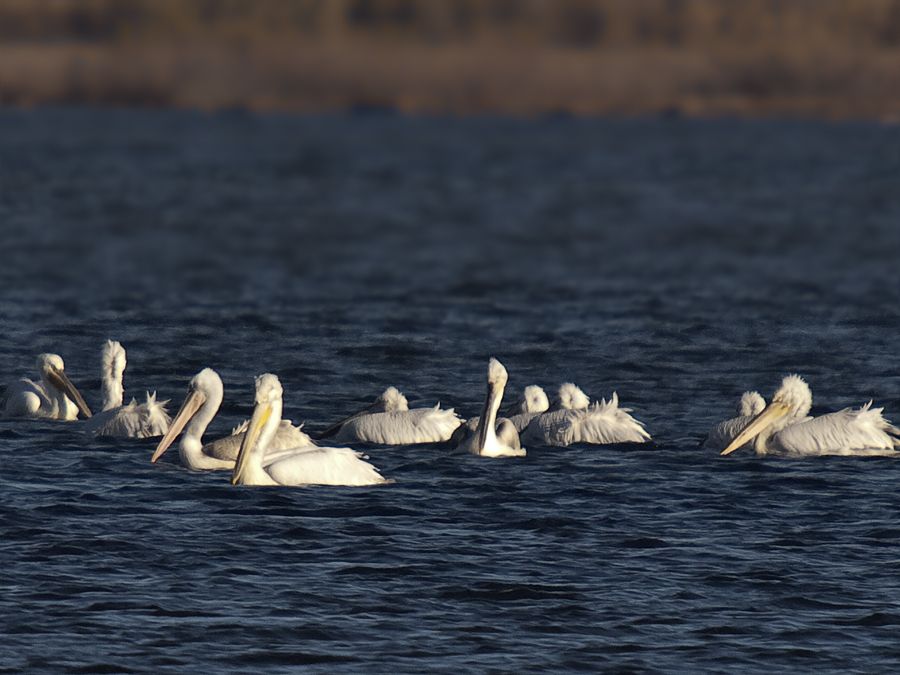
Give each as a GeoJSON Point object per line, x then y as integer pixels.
{"type": "Point", "coordinates": [750, 404]}
{"type": "Point", "coordinates": [491, 439]}
{"type": "Point", "coordinates": [135, 420]}
{"type": "Point", "coordinates": [533, 402]}
{"type": "Point", "coordinates": [54, 397]}
{"type": "Point", "coordinates": [574, 419]}
{"type": "Point", "coordinates": [309, 465]}
{"type": "Point", "coordinates": [201, 404]}
{"type": "Point", "coordinates": [389, 421]}
{"type": "Point", "coordinates": [782, 428]}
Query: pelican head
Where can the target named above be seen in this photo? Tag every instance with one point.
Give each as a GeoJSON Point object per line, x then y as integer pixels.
{"type": "Point", "coordinates": [390, 400]}
{"type": "Point", "coordinates": [53, 374]}
{"type": "Point", "coordinates": [204, 393]}
{"type": "Point", "coordinates": [534, 400]}
{"type": "Point", "coordinates": [265, 420]}
{"type": "Point", "coordinates": [791, 401]}
{"type": "Point", "coordinates": [751, 403]}
{"type": "Point", "coordinates": [572, 398]}
{"type": "Point", "coordinates": [496, 374]}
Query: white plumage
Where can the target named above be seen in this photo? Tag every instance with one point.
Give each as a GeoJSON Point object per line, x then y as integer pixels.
{"type": "Point", "coordinates": [205, 392]}
{"type": "Point", "coordinates": [135, 420]}
{"type": "Point", "coordinates": [491, 439]}
{"type": "Point", "coordinates": [389, 421]}
{"type": "Point", "coordinates": [578, 421]}
{"type": "Point", "coordinates": [783, 428]}
{"type": "Point", "coordinates": [53, 397]}
{"type": "Point", "coordinates": [749, 406]}
{"type": "Point", "coordinates": [300, 466]}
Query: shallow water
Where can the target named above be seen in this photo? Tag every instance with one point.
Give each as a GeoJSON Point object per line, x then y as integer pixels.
{"type": "Point", "coordinates": [676, 262]}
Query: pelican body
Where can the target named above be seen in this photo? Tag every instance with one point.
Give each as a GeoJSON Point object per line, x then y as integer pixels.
{"type": "Point", "coordinates": [135, 420]}
{"type": "Point", "coordinates": [491, 439]}
{"type": "Point", "coordinates": [574, 419]}
{"type": "Point", "coordinates": [204, 396]}
{"type": "Point", "coordinates": [749, 406]}
{"type": "Point", "coordinates": [309, 465]}
{"type": "Point", "coordinates": [53, 397]}
{"type": "Point", "coordinates": [783, 428]}
{"type": "Point", "coordinates": [534, 401]}
{"type": "Point", "coordinates": [389, 421]}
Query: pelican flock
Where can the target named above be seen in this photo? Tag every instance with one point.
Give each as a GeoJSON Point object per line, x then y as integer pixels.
{"type": "Point", "coordinates": [267, 449]}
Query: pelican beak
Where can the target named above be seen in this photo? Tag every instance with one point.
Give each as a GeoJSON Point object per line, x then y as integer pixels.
{"type": "Point", "coordinates": [189, 408]}
{"type": "Point", "coordinates": [773, 412]}
{"type": "Point", "coordinates": [61, 381]}
{"type": "Point", "coordinates": [261, 415]}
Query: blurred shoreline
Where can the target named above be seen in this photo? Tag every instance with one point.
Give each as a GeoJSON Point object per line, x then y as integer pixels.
{"type": "Point", "coordinates": [688, 57]}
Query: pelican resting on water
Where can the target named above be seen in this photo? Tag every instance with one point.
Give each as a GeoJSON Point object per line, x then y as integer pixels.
{"type": "Point", "coordinates": [533, 402]}
{"type": "Point", "coordinates": [309, 465]}
{"type": "Point", "coordinates": [749, 406]}
{"type": "Point", "coordinates": [490, 438]}
{"type": "Point", "coordinates": [53, 397]}
{"type": "Point", "coordinates": [576, 420]}
{"type": "Point", "coordinates": [782, 428]}
{"type": "Point", "coordinates": [201, 404]}
{"type": "Point", "coordinates": [135, 420]}
{"type": "Point", "coordinates": [389, 421]}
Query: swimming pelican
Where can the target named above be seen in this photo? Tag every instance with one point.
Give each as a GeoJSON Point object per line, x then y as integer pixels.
{"type": "Point", "coordinates": [749, 406]}
{"type": "Point", "coordinates": [201, 404]}
{"type": "Point", "coordinates": [389, 421]}
{"type": "Point", "coordinates": [533, 402]}
{"type": "Point", "coordinates": [308, 465]}
{"type": "Point", "coordinates": [491, 439]}
{"type": "Point", "coordinates": [54, 397]}
{"type": "Point", "coordinates": [135, 420]}
{"type": "Point", "coordinates": [574, 419]}
{"type": "Point", "coordinates": [781, 428]}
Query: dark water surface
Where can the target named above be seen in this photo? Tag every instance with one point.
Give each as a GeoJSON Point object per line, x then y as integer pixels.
{"type": "Point", "coordinates": [676, 262]}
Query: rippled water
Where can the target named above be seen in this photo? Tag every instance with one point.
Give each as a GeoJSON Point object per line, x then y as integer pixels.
{"type": "Point", "coordinates": [676, 262]}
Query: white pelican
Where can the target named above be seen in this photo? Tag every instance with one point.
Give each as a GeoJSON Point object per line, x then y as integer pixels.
{"type": "Point", "coordinates": [135, 420]}
{"type": "Point", "coordinates": [749, 406]}
{"type": "Point", "coordinates": [533, 402]}
{"type": "Point", "coordinates": [201, 404]}
{"type": "Point", "coordinates": [54, 397]}
{"type": "Point", "coordinates": [491, 439]}
{"type": "Point", "coordinates": [783, 430]}
{"type": "Point", "coordinates": [576, 420]}
{"type": "Point", "coordinates": [308, 465]}
{"type": "Point", "coordinates": [389, 421]}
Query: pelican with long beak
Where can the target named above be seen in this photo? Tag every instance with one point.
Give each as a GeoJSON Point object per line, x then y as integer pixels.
{"type": "Point", "coordinates": [491, 439]}
{"type": "Point", "coordinates": [204, 396]}
{"type": "Point", "coordinates": [574, 419]}
{"type": "Point", "coordinates": [54, 397]}
{"type": "Point", "coordinates": [117, 420]}
{"type": "Point", "coordinates": [310, 465]}
{"type": "Point", "coordinates": [783, 428]}
{"type": "Point", "coordinates": [519, 414]}
{"type": "Point", "coordinates": [389, 421]}
{"type": "Point", "coordinates": [749, 406]}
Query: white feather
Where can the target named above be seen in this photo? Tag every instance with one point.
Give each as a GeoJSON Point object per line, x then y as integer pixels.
{"type": "Point", "coordinates": [403, 427]}
{"type": "Point", "coordinates": [599, 424]}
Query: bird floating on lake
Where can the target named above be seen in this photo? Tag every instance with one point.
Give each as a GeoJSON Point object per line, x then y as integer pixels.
{"type": "Point", "coordinates": [491, 439]}
{"type": "Point", "coordinates": [782, 428]}
{"type": "Point", "coordinates": [749, 406]}
{"type": "Point", "coordinates": [389, 421]}
{"type": "Point", "coordinates": [53, 397]}
{"type": "Point", "coordinates": [307, 465]}
{"type": "Point", "coordinates": [135, 420]}
{"type": "Point", "coordinates": [533, 402]}
{"type": "Point", "coordinates": [200, 406]}
{"type": "Point", "coordinates": [574, 419]}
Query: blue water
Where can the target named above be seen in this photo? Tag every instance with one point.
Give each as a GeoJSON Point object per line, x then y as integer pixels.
{"type": "Point", "coordinates": [677, 262]}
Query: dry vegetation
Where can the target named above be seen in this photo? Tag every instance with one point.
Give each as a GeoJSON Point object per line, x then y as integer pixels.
{"type": "Point", "coordinates": [807, 57]}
